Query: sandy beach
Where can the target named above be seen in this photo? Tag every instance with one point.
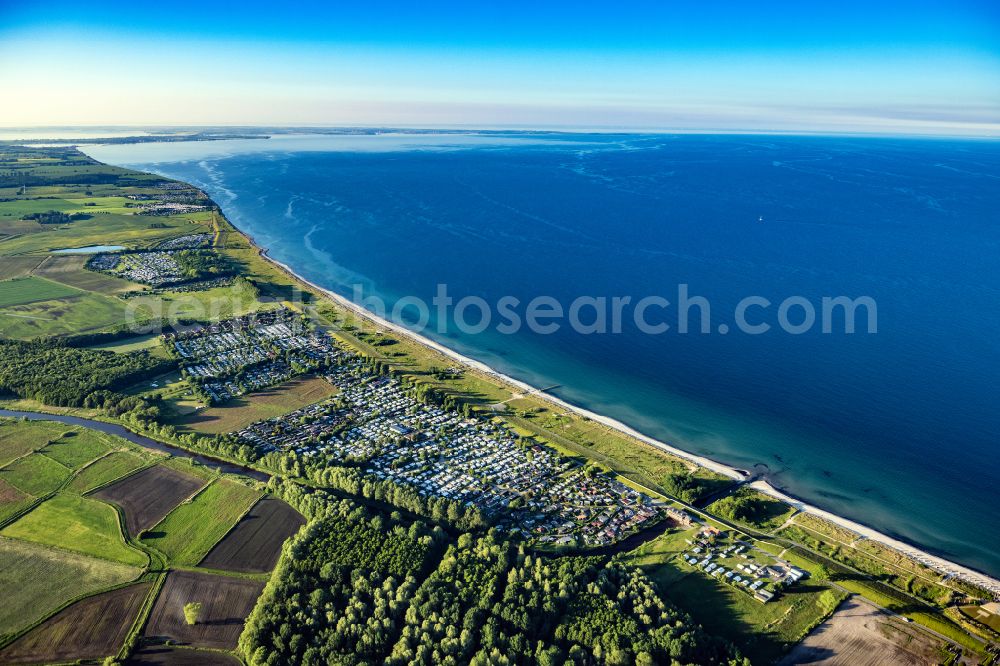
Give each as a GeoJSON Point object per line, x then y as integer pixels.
{"type": "Point", "coordinates": [935, 562]}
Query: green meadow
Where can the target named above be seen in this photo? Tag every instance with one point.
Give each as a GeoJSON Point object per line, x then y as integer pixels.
{"type": "Point", "coordinates": [76, 447]}
{"type": "Point", "coordinates": [105, 470]}
{"type": "Point", "coordinates": [20, 437]}
{"type": "Point", "coordinates": [36, 474]}
{"type": "Point", "coordinates": [85, 526]}
{"type": "Point", "coordinates": [80, 313]}
{"type": "Point", "coordinates": [132, 231]}
{"type": "Point", "coordinates": [31, 289]}
{"type": "Point", "coordinates": [189, 531]}
{"type": "Point", "coordinates": [36, 580]}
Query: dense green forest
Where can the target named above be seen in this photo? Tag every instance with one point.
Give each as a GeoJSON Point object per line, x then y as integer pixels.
{"type": "Point", "coordinates": [204, 264]}
{"type": "Point", "coordinates": [358, 587]}
{"type": "Point", "coordinates": [49, 217]}
{"type": "Point", "coordinates": [52, 373]}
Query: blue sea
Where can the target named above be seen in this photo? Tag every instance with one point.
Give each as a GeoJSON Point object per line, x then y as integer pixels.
{"type": "Point", "coordinates": [897, 429]}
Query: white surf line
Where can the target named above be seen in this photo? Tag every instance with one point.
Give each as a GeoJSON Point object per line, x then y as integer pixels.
{"type": "Point", "coordinates": [518, 396]}
{"type": "Point", "coordinates": [939, 564]}
{"type": "Point", "coordinates": [707, 463]}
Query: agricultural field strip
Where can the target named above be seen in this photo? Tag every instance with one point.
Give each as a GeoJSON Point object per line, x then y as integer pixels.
{"type": "Point", "coordinates": [34, 289]}
{"type": "Point", "coordinates": [74, 472]}
{"type": "Point", "coordinates": [224, 599]}
{"type": "Point", "coordinates": [97, 526]}
{"type": "Point", "coordinates": [265, 539]}
{"type": "Point", "coordinates": [192, 521]}
{"type": "Point", "coordinates": [87, 464]}
{"type": "Point", "coordinates": [39, 577]}
{"type": "Point", "coordinates": [40, 497]}
{"type": "Point", "coordinates": [81, 473]}
{"type": "Point", "coordinates": [129, 492]}
{"type": "Point", "coordinates": [92, 627]}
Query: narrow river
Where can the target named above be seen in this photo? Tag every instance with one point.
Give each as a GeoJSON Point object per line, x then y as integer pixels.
{"type": "Point", "coordinates": [141, 440]}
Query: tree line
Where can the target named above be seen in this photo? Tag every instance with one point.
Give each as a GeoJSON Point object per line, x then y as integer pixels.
{"type": "Point", "coordinates": [359, 587]}
{"type": "Point", "coordinates": [52, 373]}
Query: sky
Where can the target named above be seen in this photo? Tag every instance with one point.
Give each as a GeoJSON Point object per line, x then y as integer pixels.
{"type": "Point", "coordinates": [879, 66]}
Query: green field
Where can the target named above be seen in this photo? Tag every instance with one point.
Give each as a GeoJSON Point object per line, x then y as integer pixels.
{"type": "Point", "coordinates": [32, 289]}
{"type": "Point", "coordinates": [189, 531]}
{"type": "Point", "coordinates": [71, 269]}
{"type": "Point", "coordinates": [136, 343]}
{"type": "Point", "coordinates": [656, 557]}
{"type": "Point", "coordinates": [12, 267]}
{"type": "Point", "coordinates": [36, 580]}
{"type": "Point", "coordinates": [73, 203]}
{"type": "Point", "coordinates": [76, 447]}
{"type": "Point", "coordinates": [105, 470]}
{"type": "Point", "coordinates": [132, 231]}
{"type": "Point", "coordinates": [20, 437]}
{"type": "Point", "coordinates": [86, 312]}
{"type": "Point", "coordinates": [35, 474]}
{"type": "Point", "coordinates": [12, 227]}
{"type": "Point", "coordinates": [79, 524]}
{"type": "Point", "coordinates": [243, 411]}
{"type": "Point", "coordinates": [12, 501]}
{"type": "Point", "coordinates": [208, 305]}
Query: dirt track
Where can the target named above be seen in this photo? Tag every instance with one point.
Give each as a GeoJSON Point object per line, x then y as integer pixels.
{"type": "Point", "coordinates": [156, 655]}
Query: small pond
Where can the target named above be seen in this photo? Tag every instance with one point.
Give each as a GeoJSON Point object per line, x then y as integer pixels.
{"type": "Point", "coordinates": [90, 249]}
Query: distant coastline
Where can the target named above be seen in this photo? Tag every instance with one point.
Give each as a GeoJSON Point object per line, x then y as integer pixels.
{"type": "Point", "coordinates": [138, 138]}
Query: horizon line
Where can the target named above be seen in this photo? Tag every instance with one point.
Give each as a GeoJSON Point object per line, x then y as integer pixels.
{"type": "Point", "coordinates": [514, 127]}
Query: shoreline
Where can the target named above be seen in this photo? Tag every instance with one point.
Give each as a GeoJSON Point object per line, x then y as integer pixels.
{"type": "Point", "coordinates": [936, 562]}
{"type": "Point", "coordinates": [479, 366]}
